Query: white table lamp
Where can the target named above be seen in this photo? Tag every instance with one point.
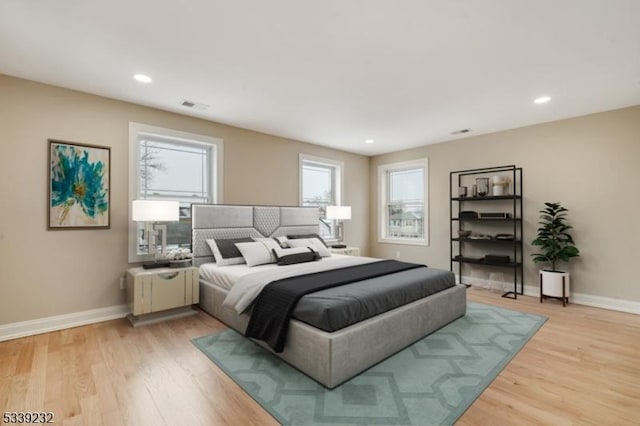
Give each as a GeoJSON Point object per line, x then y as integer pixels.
{"type": "Point", "coordinates": [150, 211]}
{"type": "Point", "coordinates": [339, 214]}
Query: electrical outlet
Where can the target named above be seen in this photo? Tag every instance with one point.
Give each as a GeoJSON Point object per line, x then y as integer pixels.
{"type": "Point", "coordinates": [398, 254]}
{"type": "Point", "coordinates": [123, 283]}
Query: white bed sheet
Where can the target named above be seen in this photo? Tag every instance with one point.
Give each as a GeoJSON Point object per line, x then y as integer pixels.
{"type": "Point", "coordinates": [227, 276]}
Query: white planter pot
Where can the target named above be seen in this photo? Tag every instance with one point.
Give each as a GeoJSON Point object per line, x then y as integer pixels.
{"type": "Point", "coordinates": [551, 283]}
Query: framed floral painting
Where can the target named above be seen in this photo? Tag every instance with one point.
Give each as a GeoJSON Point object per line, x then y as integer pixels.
{"type": "Point", "coordinates": [79, 186]}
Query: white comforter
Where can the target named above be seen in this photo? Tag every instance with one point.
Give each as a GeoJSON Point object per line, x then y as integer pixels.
{"type": "Point", "coordinates": [244, 292]}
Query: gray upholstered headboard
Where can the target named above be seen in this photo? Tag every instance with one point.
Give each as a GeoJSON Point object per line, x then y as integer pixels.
{"type": "Point", "coordinates": [223, 221]}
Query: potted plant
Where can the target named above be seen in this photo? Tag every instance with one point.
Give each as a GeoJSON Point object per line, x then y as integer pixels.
{"type": "Point", "coordinates": [556, 244]}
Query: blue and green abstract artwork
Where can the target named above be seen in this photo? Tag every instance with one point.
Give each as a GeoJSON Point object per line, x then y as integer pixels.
{"type": "Point", "coordinates": [79, 186]}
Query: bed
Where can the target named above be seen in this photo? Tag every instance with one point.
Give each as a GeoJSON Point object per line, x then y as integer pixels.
{"type": "Point", "coordinates": [328, 356]}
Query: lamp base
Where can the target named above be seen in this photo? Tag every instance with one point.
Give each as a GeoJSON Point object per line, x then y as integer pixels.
{"type": "Point", "coordinates": [154, 265]}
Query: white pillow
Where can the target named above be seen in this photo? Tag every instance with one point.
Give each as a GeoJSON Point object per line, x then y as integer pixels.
{"type": "Point", "coordinates": [314, 243]}
{"type": "Point", "coordinates": [256, 253]}
{"type": "Point", "coordinates": [271, 244]}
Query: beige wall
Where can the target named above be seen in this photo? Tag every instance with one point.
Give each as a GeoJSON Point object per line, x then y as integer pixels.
{"type": "Point", "coordinates": [591, 164]}
{"type": "Point", "coordinates": [45, 273]}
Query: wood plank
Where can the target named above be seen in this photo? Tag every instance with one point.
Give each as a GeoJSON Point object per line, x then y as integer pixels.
{"type": "Point", "coordinates": [7, 370]}
{"type": "Point", "coordinates": [91, 414]}
{"type": "Point", "coordinates": [38, 380]}
{"type": "Point", "coordinates": [17, 392]}
{"type": "Point", "coordinates": [70, 399]}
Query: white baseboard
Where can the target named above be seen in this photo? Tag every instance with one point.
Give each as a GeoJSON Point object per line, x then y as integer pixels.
{"type": "Point", "coordinates": [603, 302]}
{"type": "Point", "coordinates": [59, 322]}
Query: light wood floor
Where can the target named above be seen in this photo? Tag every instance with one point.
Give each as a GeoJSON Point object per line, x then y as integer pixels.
{"type": "Point", "coordinates": [582, 367]}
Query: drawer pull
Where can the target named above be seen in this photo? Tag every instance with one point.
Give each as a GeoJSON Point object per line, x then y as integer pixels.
{"type": "Point", "coordinates": [168, 276]}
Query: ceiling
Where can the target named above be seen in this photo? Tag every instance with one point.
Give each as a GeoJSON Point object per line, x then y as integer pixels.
{"type": "Point", "coordinates": [337, 72]}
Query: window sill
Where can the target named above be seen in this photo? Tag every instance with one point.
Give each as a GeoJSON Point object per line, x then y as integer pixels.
{"type": "Point", "coordinates": [405, 242]}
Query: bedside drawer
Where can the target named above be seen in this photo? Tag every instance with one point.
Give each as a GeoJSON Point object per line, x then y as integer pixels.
{"type": "Point", "coordinates": [168, 290]}
{"type": "Point", "coordinates": [156, 290]}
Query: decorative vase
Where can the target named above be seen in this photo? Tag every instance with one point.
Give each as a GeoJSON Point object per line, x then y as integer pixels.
{"type": "Point", "coordinates": [483, 186]}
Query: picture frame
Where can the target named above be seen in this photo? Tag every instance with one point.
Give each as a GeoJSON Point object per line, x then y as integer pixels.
{"type": "Point", "coordinates": [79, 180]}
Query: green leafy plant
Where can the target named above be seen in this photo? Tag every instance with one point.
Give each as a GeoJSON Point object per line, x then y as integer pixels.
{"type": "Point", "coordinates": [553, 238]}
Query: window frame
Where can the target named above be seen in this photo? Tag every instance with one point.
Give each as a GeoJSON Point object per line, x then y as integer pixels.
{"type": "Point", "coordinates": [384, 171]}
{"type": "Point", "coordinates": [338, 183]}
{"type": "Point", "coordinates": [169, 135]}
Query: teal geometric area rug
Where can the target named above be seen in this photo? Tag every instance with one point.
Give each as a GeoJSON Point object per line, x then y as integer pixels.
{"type": "Point", "coordinates": [431, 382]}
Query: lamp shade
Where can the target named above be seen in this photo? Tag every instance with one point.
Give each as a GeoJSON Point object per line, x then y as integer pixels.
{"type": "Point", "coordinates": [155, 211]}
{"type": "Point", "coordinates": [338, 212]}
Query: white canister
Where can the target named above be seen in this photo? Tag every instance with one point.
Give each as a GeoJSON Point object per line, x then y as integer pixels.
{"type": "Point", "coordinates": [499, 185]}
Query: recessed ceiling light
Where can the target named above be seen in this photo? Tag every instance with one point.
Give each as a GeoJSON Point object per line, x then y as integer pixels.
{"type": "Point", "coordinates": [369, 141]}
{"type": "Point", "coordinates": [142, 78]}
{"type": "Point", "coordinates": [542, 100]}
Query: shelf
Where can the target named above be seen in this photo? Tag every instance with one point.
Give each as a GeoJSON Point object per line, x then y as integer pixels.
{"type": "Point", "coordinates": [488, 219]}
{"type": "Point", "coordinates": [488, 197]}
{"type": "Point", "coordinates": [465, 257]}
{"type": "Point", "coordinates": [482, 262]}
{"type": "Point", "coordinates": [481, 240]}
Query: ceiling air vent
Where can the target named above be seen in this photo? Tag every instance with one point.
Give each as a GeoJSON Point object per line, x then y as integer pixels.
{"type": "Point", "coordinates": [194, 105]}
{"type": "Point", "coordinates": [459, 132]}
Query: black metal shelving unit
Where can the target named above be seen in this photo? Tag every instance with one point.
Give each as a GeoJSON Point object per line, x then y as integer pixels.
{"type": "Point", "coordinates": [513, 223]}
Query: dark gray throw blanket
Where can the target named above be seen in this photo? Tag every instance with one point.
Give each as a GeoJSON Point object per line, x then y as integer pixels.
{"type": "Point", "coordinates": [274, 305]}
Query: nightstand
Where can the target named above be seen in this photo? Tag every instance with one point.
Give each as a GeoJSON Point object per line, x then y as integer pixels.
{"type": "Point", "coordinates": [350, 251]}
{"type": "Point", "coordinates": [160, 294]}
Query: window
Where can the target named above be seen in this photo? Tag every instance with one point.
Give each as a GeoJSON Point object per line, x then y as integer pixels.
{"type": "Point", "coordinates": [404, 202]}
{"type": "Point", "coordinates": [171, 165]}
{"type": "Point", "coordinates": [321, 185]}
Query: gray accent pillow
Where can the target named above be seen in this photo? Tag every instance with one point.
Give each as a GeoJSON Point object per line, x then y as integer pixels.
{"type": "Point", "coordinates": [296, 255]}
{"type": "Point", "coordinates": [225, 251]}
{"type": "Point", "coordinates": [279, 252]}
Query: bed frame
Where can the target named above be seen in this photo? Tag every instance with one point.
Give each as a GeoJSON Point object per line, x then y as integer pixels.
{"type": "Point", "coordinates": [329, 358]}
